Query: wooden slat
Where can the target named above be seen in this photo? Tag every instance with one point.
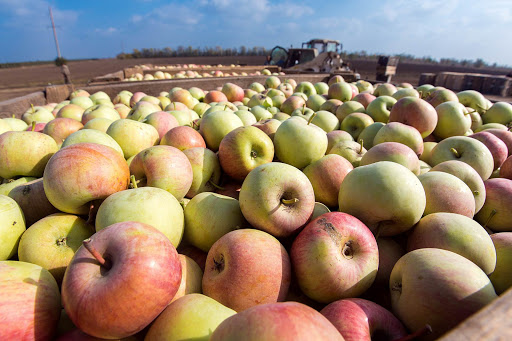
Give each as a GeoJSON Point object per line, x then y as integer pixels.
{"type": "Point", "coordinates": [494, 322]}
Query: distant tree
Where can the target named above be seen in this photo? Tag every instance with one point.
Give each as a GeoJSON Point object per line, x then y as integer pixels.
{"type": "Point", "coordinates": [59, 61]}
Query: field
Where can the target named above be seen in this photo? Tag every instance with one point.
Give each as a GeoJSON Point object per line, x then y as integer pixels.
{"type": "Point", "coordinates": [15, 82]}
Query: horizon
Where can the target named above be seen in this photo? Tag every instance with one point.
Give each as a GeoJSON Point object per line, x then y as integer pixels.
{"type": "Point", "coordinates": [452, 29]}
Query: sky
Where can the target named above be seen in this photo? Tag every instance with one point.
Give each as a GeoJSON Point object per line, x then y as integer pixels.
{"type": "Point", "coordinates": [458, 29]}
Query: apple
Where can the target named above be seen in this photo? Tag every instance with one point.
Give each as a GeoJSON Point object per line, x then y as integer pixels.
{"type": "Point", "coordinates": [95, 283]}
{"type": "Point", "coordinates": [348, 108]}
{"type": "Point", "coordinates": [99, 95]}
{"type": "Point", "coordinates": [415, 112]}
{"type": "Point", "coordinates": [306, 88]}
{"type": "Point", "coordinates": [447, 193]}
{"type": "Point", "coordinates": [350, 150]}
{"type": "Point", "coordinates": [499, 112]}
{"type": "Point", "coordinates": [367, 136]}
{"type": "Point", "coordinates": [395, 152]}
{"type": "Point", "coordinates": [401, 133]}
{"type": "Point", "coordinates": [468, 175]}
{"type": "Point", "coordinates": [423, 90]}
{"type": "Point", "coordinates": [505, 136]}
{"type": "Point", "coordinates": [100, 124]}
{"type": "Point", "coordinates": [326, 176]}
{"type": "Point", "coordinates": [153, 206]}
{"type": "Point", "coordinates": [315, 101]}
{"type": "Point", "coordinates": [360, 319]}
{"type": "Point", "coordinates": [277, 198]}
{"type": "Point", "coordinates": [355, 123]}
{"type": "Point", "coordinates": [191, 278]}
{"type": "Point", "coordinates": [215, 96]}
{"type": "Point", "coordinates": [33, 201]}
{"type": "Point", "coordinates": [321, 88]}
{"type": "Point", "coordinates": [206, 170]}
{"type": "Point", "coordinates": [280, 116]}
{"type": "Point", "coordinates": [184, 96]}
{"type": "Point", "coordinates": [29, 302]}
{"type": "Point", "coordinates": [293, 142]}
{"type": "Point", "coordinates": [183, 137]}
{"type": "Point", "coordinates": [465, 149]}
{"type": "Point", "coordinates": [133, 136]}
{"type": "Point", "coordinates": [272, 82]}
{"type": "Point", "coordinates": [385, 196]}
{"type": "Point", "coordinates": [11, 228]}
{"type": "Point", "coordinates": [384, 89]}
{"type": "Point", "coordinates": [192, 317]}
{"type": "Point", "coordinates": [501, 278]}
{"type": "Point", "coordinates": [456, 233]}
{"type": "Point", "coordinates": [380, 108]}
{"type": "Point", "coordinates": [390, 251]}
{"type": "Point", "coordinates": [8, 185]}
{"type": "Point", "coordinates": [164, 167]}
{"type": "Point", "coordinates": [364, 98]}
{"type": "Point", "coordinates": [283, 321]}
{"type": "Point", "coordinates": [176, 106]}
{"type": "Point", "coordinates": [335, 79]}
{"type": "Point", "coordinates": [439, 288]}
{"type": "Point", "coordinates": [292, 103]}
{"type": "Point", "coordinates": [38, 115]}
{"type": "Point", "coordinates": [162, 121]}
{"type": "Point", "coordinates": [316, 259]}
{"type": "Point", "coordinates": [92, 136]}
{"type": "Point", "coordinates": [505, 170]}
{"type": "Point", "coordinates": [81, 173]}
{"type": "Point", "coordinates": [14, 124]}
{"type": "Point", "coordinates": [336, 136]}
{"type": "Point", "coordinates": [495, 214]}
{"type": "Point", "coordinates": [79, 93]}
{"type": "Point", "coordinates": [473, 99]}
{"type": "Point", "coordinates": [52, 241]}
{"type": "Point", "coordinates": [60, 128]}
{"type": "Point", "coordinates": [341, 91]}
{"type": "Point", "coordinates": [216, 125]}
{"type": "Point", "coordinates": [244, 149]}
{"type": "Point", "coordinates": [84, 102]}
{"type": "Point", "coordinates": [476, 119]}
{"type": "Point", "coordinates": [269, 127]}
{"type": "Point", "coordinates": [405, 92]}
{"type": "Point", "coordinates": [497, 147]}
{"type": "Point", "coordinates": [258, 87]}
{"type": "Point", "coordinates": [209, 216]}
{"type": "Point", "coordinates": [72, 111]}
{"type": "Point", "coordinates": [453, 120]}
{"type": "Point", "coordinates": [331, 105]}
{"type": "Point", "coordinates": [286, 89]}
{"type": "Point", "coordinates": [25, 153]}
{"type": "Point", "coordinates": [489, 126]}
{"type": "Point", "coordinates": [440, 96]}
{"type": "Point", "coordinates": [325, 120]}
{"type": "Point", "coordinates": [101, 110]}
{"type": "Point", "coordinates": [237, 276]}
{"type": "Point", "coordinates": [260, 99]}
{"type": "Point", "coordinates": [261, 113]}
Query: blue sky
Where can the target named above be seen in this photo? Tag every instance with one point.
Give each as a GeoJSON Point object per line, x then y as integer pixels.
{"type": "Point", "coordinates": [95, 29]}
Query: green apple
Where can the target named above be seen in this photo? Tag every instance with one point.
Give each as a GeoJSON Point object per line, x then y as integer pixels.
{"type": "Point", "coordinates": [456, 233]}
{"type": "Point", "coordinates": [99, 95]}
{"type": "Point", "coordinates": [191, 276]}
{"type": "Point", "coordinates": [216, 125]}
{"type": "Point", "coordinates": [424, 167]}
{"type": "Point", "coordinates": [348, 108]}
{"type": "Point", "coordinates": [8, 185]}
{"type": "Point", "coordinates": [465, 149]}
{"type": "Point", "coordinates": [100, 110]}
{"type": "Point", "coordinates": [405, 92]}
{"type": "Point", "coordinates": [247, 117]}
{"type": "Point", "coordinates": [261, 113]}
{"type": "Point", "coordinates": [142, 109]}
{"type": "Point", "coordinates": [453, 120]}
{"type": "Point", "coordinates": [501, 278]}
{"type": "Point", "coordinates": [350, 150]}
{"type": "Point", "coordinates": [306, 88]}
{"type": "Point", "coordinates": [206, 170]}
{"type": "Point", "coordinates": [299, 143]}
{"type": "Point", "coordinates": [422, 90]}
{"type": "Point", "coordinates": [500, 112]}
{"type": "Point", "coordinates": [331, 105]}
{"type": "Point", "coordinates": [73, 111]}
{"type": "Point", "coordinates": [380, 108]}
{"type": "Point", "coordinates": [426, 155]}
{"type": "Point", "coordinates": [11, 228]}
{"type": "Point", "coordinates": [367, 136]}
{"type": "Point", "coordinates": [394, 152]}
{"type": "Point", "coordinates": [91, 136]}
{"type": "Point", "coordinates": [336, 136]}
{"type": "Point", "coordinates": [82, 101]}
{"type": "Point", "coordinates": [209, 216]}
{"type": "Point", "coordinates": [15, 124]}
{"type": "Point", "coordinates": [192, 317]}
{"type": "Point", "coordinates": [473, 99]}
{"type": "Point", "coordinates": [40, 115]}
{"type": "Point", "coordinates": [133, 136]}
{"type": "Point", "coordinates": [326, 120]}
{"type": "Point", "coordinates": [385, 195]}
{"type": "Point", "coordinates": [384, 89]}
{"type": "Point", "coordinates": [52, 242]}
{"type": "Point", "coordinates": [355, 123]}
{"type": "Point", "coordinates": [149, 205]}
{"type": "Point", "coordinates": [341, 91]}
{"type": "Point", "coordinates": [401, 133]}
{"type": "Point", "coordinates": [363, 85]}
{"type": "Point", "coordinates": [315, 101]}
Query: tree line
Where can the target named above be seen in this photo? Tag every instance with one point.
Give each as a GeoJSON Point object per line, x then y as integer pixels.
{"type": "Point", "coordinates": [219, 51]}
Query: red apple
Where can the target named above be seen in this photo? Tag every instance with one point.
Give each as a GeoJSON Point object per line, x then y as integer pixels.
{"type": "Point", "coordinates": [215, 96]}
{"type": "Point", "coordinates": [416, 113]}
{"type": "Point", "coordinates": [497, 147]}
{"type": "Point", "coordinates": [183, 137]}
{"type": "Point", "coordinates": [129, 268]}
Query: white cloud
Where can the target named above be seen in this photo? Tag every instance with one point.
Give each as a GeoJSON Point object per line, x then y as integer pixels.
{"type": "Point", "coordinates": [106, 31]}
{"type": "Point", "coordinates": [34, 13]}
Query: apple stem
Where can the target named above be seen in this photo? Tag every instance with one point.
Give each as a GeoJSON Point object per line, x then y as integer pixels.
{"type": "Point", "coordinates": [61, 241]}
{"type": "Point", "coordinates": [225, 107]}
{"type": "Point", "coordinates": [455, 152]}
{"type": "Point", "coordinates": [215, 185]}
{"type": "Point", "coordinates": [491, 215]}
{"type": "Point", "coordinates": [33, 125]}
{"type": "Point", "coordinates": [133, 182]}
{"type": "Point", "coordinates": [361, 144]}
{"type": "Point", "coordinates": [311, 118]}
{"type": "Point", "coordinates": [32, 107]}
{"type": "Point", "coordinates": [13, 116]}
{"type": "Point", "coordinates": [426, 330]}
{"type": "Point", "coordinates": [303, 108]}
{"type": "Point", "coordinates": [93, 210]}
{"type": "Point", "coordinates": [476, 193]}
{"type": "Point", "coordinates": [483, 109]}
{"type": "Point", "coordinates": [94, 252]}
{"type": "Point", "coordinates": [290, 201]}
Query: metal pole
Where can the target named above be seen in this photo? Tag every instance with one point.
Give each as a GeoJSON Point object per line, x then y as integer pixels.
{"type": "Point", "coordinates": [54, 32]}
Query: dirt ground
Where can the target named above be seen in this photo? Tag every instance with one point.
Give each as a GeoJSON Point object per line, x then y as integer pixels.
{"type": "Point", "coordinates": [15, 82]}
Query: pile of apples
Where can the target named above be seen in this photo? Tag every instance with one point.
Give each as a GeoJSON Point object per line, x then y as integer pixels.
{"type": "Point", "coordinates": [327, 211]}
{"type": "Point", "coordinates": [191, 73]}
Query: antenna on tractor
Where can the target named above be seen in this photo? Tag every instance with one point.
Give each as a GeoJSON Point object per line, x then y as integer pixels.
{"type": "Point", "coordinates": [54, 32]}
